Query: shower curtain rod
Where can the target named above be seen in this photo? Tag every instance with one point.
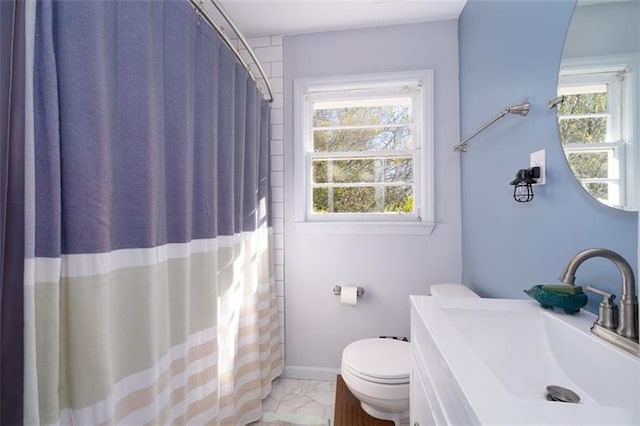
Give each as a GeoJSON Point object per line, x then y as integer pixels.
{"type": "Point", "coordinates": [522, 110]}
{"type": "Point", "coordinates": [199, 6]}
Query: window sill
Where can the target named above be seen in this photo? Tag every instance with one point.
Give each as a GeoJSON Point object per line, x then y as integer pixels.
{"type": "Point", "coordinates": [364, 228]}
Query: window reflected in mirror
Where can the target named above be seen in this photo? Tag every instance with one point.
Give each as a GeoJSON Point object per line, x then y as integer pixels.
{"type": "Point", "coordinates": [594, 130]}
{"type": "Point", "coordinates": [600, 90]}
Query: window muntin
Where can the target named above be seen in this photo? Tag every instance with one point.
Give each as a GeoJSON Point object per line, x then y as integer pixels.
{"type": "Point", "coordinates": [363, 153]}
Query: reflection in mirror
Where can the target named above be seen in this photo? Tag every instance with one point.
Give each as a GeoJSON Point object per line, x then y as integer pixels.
{"type": "Point", "coordinates": [598, 117]}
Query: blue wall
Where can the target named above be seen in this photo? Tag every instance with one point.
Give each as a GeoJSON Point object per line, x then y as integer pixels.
{"type": "Point", "coordinates": [510, 52]}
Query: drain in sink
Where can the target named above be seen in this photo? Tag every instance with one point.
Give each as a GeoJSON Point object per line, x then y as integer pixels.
{"type": "Point", "coordinates": [560, 394]}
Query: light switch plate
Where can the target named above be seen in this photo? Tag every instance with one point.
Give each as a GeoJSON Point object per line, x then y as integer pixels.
{"type": "Point", "coordinates": [538, 159]}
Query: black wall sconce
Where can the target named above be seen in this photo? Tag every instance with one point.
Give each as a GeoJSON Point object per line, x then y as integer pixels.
{"type": "Point", "coordinates": [522, 184]}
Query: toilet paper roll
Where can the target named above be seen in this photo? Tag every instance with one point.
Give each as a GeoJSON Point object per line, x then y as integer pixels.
{"type": "Point", "coordinates": [349, 296]}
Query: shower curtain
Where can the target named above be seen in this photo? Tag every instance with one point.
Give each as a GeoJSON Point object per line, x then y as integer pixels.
{"type": "Point", "coordinates": [149, 295]}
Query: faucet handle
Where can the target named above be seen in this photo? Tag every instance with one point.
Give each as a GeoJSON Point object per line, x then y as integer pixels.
{"type": "Point", "coordinates": [608, 296]}
{"type": "Point", "coordinates": [607, 310]}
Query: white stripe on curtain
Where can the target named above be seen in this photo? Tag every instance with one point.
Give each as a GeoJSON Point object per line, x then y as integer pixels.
{"type": "Point", "coordinates": [82, 265]}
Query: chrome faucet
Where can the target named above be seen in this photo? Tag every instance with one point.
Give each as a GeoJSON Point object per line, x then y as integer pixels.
{"type": "Point", "coordinates": [622, 333]}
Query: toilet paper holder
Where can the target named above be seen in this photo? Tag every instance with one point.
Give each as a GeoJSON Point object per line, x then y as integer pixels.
{"type": "Point", "coordinates": [337, 290]}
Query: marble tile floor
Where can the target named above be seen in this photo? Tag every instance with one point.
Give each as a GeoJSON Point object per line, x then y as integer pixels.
{"type": "Point", "coordinates": [305, 398]}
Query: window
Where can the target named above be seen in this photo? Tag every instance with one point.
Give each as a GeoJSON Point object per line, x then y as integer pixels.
{"type": "Point", "coordinates": [594, 129]}
{"type": "Point", "coordinates": [365, 149]}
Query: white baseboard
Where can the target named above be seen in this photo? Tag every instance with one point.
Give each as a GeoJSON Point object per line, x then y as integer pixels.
{"type": "Point", "coordinates": [310, 373]}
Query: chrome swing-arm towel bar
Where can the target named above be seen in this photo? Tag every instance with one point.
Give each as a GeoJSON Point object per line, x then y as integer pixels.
{"type": "Point", "coordinates": [522, 109]}
{"type": "Point", "coordinates": [199, 6]}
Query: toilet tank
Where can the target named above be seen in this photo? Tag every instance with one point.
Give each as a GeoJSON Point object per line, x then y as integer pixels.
{"type": "Point", "coordinates": [451, 290]}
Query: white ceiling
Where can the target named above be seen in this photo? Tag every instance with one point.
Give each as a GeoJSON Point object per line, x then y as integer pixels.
{"type": "Point", "coordinates": [285, 17]}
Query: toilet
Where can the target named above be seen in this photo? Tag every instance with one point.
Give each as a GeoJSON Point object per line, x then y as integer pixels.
{"type": "Point", "coordinates": [376, 371]}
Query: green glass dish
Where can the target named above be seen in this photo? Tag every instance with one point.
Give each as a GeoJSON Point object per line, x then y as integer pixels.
{"type": "Point", "coordinates": [570, 303]}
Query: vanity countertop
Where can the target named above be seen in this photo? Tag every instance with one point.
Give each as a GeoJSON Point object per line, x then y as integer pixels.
{"type": "Point", "coordinates": [502, 354]}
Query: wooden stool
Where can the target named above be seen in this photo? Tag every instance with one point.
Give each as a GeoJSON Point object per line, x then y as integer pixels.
{"type": "Point", "coordinates": [348, 410]}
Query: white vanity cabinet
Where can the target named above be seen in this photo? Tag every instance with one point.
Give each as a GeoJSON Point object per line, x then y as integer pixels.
{"type": "Point", "coordinates": [421, 414]}
{"type": "Point", "coordinates": [435, 397]}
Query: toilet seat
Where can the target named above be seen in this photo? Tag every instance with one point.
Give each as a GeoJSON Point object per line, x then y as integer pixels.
{"type": "Point", "coordinates": [382, 361]}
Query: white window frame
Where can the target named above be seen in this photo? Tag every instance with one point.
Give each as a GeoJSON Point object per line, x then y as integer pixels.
{"type": "Point", "coordinates": [621, 146]}
{"type": "Point", "coordinates": [307, 91]}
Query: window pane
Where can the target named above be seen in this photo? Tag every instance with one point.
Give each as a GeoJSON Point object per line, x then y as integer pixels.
{"type": "Point", "coordinates": [373, 139]}
{"type": "Point", "coordinates": [583, 130]}
{"type": "Point", "coordinates": [398, 169]}
{"type": "Point", "coordinates": [379, 111]}
{"type": "Point", "coordinates": [399, 199]}
{"type": "Point", "coordinates": [599, 190]}
{"type": "Point", "coordinates": [589, 165]}
{"type": "Point", "coordinates": [584, 103]}
{"type": "Point", "coordinates": [370, 199]}
{"type": "Point", "coordinates": [363, 170]}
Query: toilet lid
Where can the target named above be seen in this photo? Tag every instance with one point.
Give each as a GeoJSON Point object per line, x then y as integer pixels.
{"type": "Point", "coordinates": [384, 360]}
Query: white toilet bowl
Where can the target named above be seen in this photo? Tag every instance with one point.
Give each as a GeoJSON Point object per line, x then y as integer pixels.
{"type": "Point", "coordinates": [376, 371]}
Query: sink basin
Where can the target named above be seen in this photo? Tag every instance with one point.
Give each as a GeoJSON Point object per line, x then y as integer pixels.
{"type": "Point", "coordinates": [504, 353]}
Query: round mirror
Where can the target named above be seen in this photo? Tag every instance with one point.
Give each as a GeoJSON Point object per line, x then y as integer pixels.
{"type": "Point", "coordinates": [598, 100]}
